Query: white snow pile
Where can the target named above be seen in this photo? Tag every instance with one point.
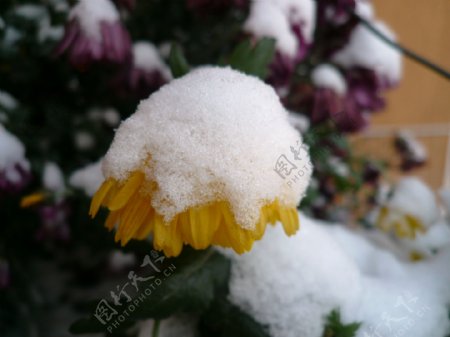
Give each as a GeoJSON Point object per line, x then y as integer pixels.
{"type": "Point", "coordinates": [12, 153]}
{"type": "Point", "coordinates": [88, 178]}
{"type": "Point", "coordinates": [278, 25]}
{"type": "Point", "coordinates": [53, 178]}
{"type": "Point", "coordinates": [291, 284]}
{"type": "Point", "coordinates": [328, 77]}
{"type": "Point", "coordinates": [214, 134]}
{"type": "Point", "coordinates": [413, 197]}
{"type": "Point", "coordinates": [91, 13]}
{"type": "Point", "coordinates": [146, 57]}
{"type": "Point", "coordinates": [367, 50]}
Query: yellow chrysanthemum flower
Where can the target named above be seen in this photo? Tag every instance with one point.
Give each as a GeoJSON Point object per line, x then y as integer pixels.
{"type": "Point", "coordinates": [410, 210]}
{"type": "Point", "coordinates": [199, 164]}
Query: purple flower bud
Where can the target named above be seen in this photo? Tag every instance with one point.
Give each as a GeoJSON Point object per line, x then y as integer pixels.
{"type": "Point", "coordinates": [94, 33]}
{"type": "Point", "coordinates": [413, 154]}
{"type": "Point", "coordinates": [54, 222]}
{"type": "Point", "coordinates": [371, 173]}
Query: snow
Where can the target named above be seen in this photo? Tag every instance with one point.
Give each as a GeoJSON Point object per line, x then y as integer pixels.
{"type": "Point", "coordinates": [291, 283]}
{"type": "Point", "coordinates": [53, 178]}
{"type": "Point", "coordinates": [283, 14]}
{"type": "Point", "coordinates": [364, 8]}
{"type": "Point", "coordinates": [88, 178]}
{"type": "Point", "coordinates": [12, 152]}
{"type": "Point", "coordinates": [328, 77]}
{"type": "Point", "coordinates": [436, 238]}
{"type": "Point", "coordinates": [411, 196]}
{"type": "Point", "coordinates": [445, 197]}
{"type": "Point", "coordinates": [367, 50]}
{"type": "Point", "coordinates": [7, 101]}
{"type": "Point", "coordinates": [108, 115]}
{"type": "Point", "coordinates": [146, 57]}
{"type": "Point", "coordinates": [298, 121]}
{"type": "Point", "coordinates": [214, 134]}
{"type": "Point", "coordinates": [119, 260]}
{"type": "Point", "coordinates": [84, 140]}
{"type": "Point", "coordinates": [415, 148]}
{"type": "Point", "coordinates": [90, 14]}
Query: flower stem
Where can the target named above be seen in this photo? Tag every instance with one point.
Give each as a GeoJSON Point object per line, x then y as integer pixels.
{"type": "Point", "coordinates": [155, 331]}
{"type": "Point", "coordinates": [405, 51]}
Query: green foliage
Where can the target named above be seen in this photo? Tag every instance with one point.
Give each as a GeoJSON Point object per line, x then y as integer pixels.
{"type": "Point", "coordinates": [195, 281]}
{"type": "Point", "coordinates": [177, 62]}
{"type": "Point", "coordinates": [253, 59]}
{"type": "Point", "coordinates": [335, 328]}
{"type": "Point", "coordinates": [224, 319]}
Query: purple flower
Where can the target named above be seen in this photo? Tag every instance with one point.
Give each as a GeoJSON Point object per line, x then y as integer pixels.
{"type": "Point", "coordinates": [15, 178]}
{"type": "Point", "coordinates": [145, 74]}
{"type": "Point", "coordinates": [94, 33]}
{"type": "Point", "coordinates": [365, 87]}
{"type": "Point", "coordinates": [54, 221]}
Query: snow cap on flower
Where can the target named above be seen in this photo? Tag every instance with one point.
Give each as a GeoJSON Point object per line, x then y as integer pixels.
{"type": "Point", "coordinates": [411, 208]}
{"type": "Point", "coordinates": [284, 16]}
{"type": "Point", "coordinates": [94, 33]}
{"type": "Point", "coordinates": [14, 167]}
{"type": "Point", "coordinates": [200, 156]}
{"type": "Point", "coordinates": [367, 50]}
{"type": "Point", "coordinates": [328, 77]}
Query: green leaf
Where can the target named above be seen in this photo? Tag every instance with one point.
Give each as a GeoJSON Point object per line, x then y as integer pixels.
{"type": "Point", "coordinates": [177, 62]}
{"type": "Point", "coordinates": [224, 319]}
{"type": "Point", "coordinates": [253, 60]}
{"type": "Point", "coordinates": [335, 328]}
{"type": "Point", "coordinates": [194, 280]}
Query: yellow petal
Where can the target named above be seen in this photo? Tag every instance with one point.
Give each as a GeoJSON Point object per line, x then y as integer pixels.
{"type": "Point", "coordinates": [32, 199]}
{"type": "Point", "coordinates": [99, 196]}
{"type": "Point", "coordinates": [126, 191]}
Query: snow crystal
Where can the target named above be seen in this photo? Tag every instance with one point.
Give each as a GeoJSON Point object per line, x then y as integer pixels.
{"type": "Point", "coordinates": [214, 134]}
{"type": "Point", "coordinates": [290, 284]}
{"type": "Point", "coordinates": [88, 178]}
{"type": "Point", "coordinates": [12, 151]}
{"type": "Point", "coordinates": [411, 196]}
{"type": "Point", "coordinates": [328, 77]}
{"type": "Point", "coordinates": [367, 50]}
{"type": "Point", "coordinates": [175, 326]}
{"type": "Point", "coordinates": [53, 178]}
{"type": "Point", "coordinates": [278, 25]}
{"type": "Point", "coordinates": [90, 14]}
{"type": "Point", "coordinates": [7, 101]}
{"type": "Point", "coordinates": [146, 57]}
